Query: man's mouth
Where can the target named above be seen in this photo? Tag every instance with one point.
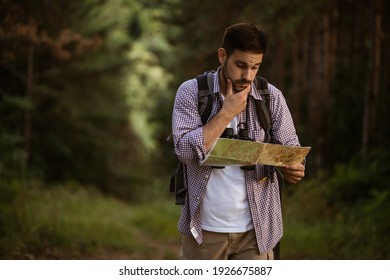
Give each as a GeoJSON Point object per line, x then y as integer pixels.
{"type": "Point", "coordinates": [240, 86]}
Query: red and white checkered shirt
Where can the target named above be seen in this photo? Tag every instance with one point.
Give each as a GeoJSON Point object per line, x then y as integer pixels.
{"type": "Point", "coordinates": [263, 196]}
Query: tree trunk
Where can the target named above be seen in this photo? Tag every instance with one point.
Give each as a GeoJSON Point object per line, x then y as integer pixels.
{"type": "Point", "coordinates": [27, 114]}
{"type": "Point", "coordinates": [374, 72]}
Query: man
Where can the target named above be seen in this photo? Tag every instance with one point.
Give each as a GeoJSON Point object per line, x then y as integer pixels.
{"type": "Point", "coordinates": [231, 213]}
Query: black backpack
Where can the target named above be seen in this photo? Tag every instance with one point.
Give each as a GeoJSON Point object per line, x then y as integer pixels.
{"type": "Point", "coordinates": [205, 86]}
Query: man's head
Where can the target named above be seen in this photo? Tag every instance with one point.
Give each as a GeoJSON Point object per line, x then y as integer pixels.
{"type": "Point", "coordinates": [244, 37]}
{"type": "Point", "coordinates": [241, 54]}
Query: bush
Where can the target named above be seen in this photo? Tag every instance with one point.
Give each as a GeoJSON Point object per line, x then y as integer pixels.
{"type": "Point", "coordinates": [343, 215]}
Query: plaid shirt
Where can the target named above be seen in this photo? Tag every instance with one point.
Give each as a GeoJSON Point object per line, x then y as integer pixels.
{"type": "Point", "coordinates": [263, 196]}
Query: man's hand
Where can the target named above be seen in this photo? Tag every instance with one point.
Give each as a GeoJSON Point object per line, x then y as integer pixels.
{"type": "Point", "coordinates": [293, 173]}
{"type": "Point", "coordinates": [232, 106]}
{"type": "Point", "coordinates": [235, 103]}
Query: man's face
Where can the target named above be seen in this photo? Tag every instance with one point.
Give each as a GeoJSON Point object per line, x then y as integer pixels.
{"type": "Point", "coordinates": [241, 67]}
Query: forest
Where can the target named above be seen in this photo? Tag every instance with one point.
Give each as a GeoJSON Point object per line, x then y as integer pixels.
{"type": "Point", "coordinates": [86, 98]}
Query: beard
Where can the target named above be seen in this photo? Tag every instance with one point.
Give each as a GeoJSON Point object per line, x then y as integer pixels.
{"type": "Point", "coordinates": [238, 85]}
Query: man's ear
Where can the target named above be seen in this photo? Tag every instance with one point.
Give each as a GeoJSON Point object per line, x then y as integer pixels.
{"type": "Point", "coordinates": [222, 55]}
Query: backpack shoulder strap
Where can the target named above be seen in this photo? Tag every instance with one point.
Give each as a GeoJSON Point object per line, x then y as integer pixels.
{"type": "Point", "coordinates": [205, 86]}
{"type": "Point", "coordinates": [263, 107]}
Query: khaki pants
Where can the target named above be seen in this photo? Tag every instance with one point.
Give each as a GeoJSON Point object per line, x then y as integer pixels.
{"type": "Point", "coordinates": [223, 246]}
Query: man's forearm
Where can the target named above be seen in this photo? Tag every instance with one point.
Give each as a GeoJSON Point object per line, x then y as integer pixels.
{"type": "Point", "coordinates": [214, 128]}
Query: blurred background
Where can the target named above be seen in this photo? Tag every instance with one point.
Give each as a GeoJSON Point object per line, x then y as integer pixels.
{"type": "Point", "coordinates": [86, 96]}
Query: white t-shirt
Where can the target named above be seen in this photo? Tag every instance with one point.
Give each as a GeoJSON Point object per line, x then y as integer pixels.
{"type": "Point", "coordinates": [225, 207]}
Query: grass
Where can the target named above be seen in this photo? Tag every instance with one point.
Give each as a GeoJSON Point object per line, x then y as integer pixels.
{"type": "Point", "coordinates": [76, 222]}
{"type": "Point", "coordinates": [72, 222]}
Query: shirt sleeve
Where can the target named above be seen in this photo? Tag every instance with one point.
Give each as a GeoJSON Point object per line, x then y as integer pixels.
{"type": "Point", "coordinates": [187, 127]}
{"type": "Point", "coordinates": [283, 129]}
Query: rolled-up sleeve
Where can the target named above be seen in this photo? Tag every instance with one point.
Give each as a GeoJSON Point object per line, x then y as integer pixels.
{"type": "Point", "coordinates": [187, 128]}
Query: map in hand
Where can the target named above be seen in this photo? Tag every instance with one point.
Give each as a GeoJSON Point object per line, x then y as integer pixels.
{"type": "Point", "coordinates": [243, 152]}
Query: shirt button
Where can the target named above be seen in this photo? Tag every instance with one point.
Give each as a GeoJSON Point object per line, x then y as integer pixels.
{"type": "Point", "coordinates": [206, 176]}
{"type": "Point", "coordinates": [198, 197]}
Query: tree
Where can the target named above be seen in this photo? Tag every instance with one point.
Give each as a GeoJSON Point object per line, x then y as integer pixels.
{"type": "Point", "coordinates": [370, 123]}
{"type": "Point", "coordinates": [72, 93]}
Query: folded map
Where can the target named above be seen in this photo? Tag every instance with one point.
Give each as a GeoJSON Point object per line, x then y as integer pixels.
{"type": "Point", "coordinates": [242, 152]}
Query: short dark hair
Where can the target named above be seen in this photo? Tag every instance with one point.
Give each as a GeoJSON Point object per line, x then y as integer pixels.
{"type": "Point", "coordinates": [244, 37]}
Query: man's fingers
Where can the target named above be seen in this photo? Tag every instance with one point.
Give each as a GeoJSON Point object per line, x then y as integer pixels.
{"type": "Point", "coordinates": [294, 173]}
{"type": "Point", "coordinates": [229, 90]}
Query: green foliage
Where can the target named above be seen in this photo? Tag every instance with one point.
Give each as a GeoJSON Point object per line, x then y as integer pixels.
{"type": "Point", "coordinates": [69, 221]}
{"type": "Point", "coordinates": [327, 217]}
{"type": "Point", "coordinates": [158, 219]}
{"type": "Point", "coordinates": [87, 89]}
{"type": "Point", "coordinates": [86, 95]}
{"type": "Point", "coordinates": [340, 216]}
{"type": "Point", "coordinates": [83, 110]}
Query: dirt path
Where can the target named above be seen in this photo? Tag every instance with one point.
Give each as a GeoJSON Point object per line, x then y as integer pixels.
{"type": "Point", "coordinates": [148, 249]}
{"type": "Point", "coordinates": [153, 250]}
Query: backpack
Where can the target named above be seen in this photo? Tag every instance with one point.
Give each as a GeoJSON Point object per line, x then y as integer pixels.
{"type": "Point", "coordinates": [205, 86]}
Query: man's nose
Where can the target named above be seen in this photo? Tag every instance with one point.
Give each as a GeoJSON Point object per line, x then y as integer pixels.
{"type": "Point", "coordinates": [247, 75]}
